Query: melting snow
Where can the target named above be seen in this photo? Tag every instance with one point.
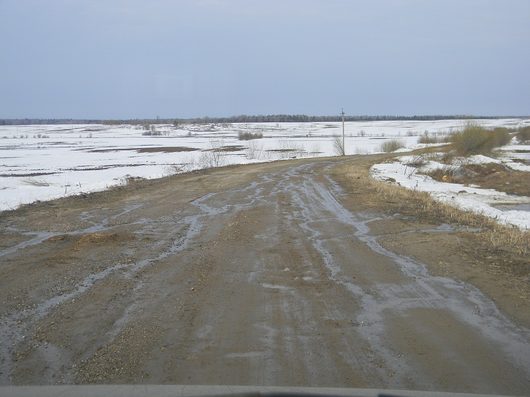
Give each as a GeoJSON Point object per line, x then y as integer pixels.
{"type": "Point", "coordinates": [478, 200]}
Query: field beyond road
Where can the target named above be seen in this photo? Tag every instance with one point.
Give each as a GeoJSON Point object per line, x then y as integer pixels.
{"type": "Point", "coordinates": [292, 273]}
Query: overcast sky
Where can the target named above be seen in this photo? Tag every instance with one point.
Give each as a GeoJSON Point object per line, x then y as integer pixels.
{"type": "Point", "coordinates": [171, 58]}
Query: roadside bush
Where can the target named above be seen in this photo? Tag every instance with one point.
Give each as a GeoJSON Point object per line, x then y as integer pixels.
{"type": "Point", "coordinates": [523, 134]}
{"type": "Point", "coordinates": [255, 150]}
{"type": "Point", "coordinates": [426, 138]}
{"type": "Point", "coordinates": [475, 139]}
{"type": "Point", "coordinates": [247, 136]}
{"type": "Point", "coordinates": [391, 145]}
{"type": "Point", "coordinates": [502, 136]}
{"type": "Point", "coordinates": [151, 133]}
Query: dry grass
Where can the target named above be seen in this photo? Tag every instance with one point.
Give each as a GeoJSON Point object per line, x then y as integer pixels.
{"type": "Point", "coordinates": [523, 134]}
{"type": "Point", "coordinates": [494, 236]}
{"type": "Point", "coordinates": [504, 238]}
{"type": "Point", "coordinates": [96, 238]}
{"type": "Point", "coordinates": [444, 174]}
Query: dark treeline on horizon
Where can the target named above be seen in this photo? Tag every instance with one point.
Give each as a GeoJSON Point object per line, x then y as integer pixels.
{"type": "Point", "coordinates": [274, 118]}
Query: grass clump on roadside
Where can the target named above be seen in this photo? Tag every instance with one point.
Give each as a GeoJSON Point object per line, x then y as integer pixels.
{"type": "Point", "coordinates": [392, 145]}
{"type": "Point", "coordinates": [247, 136]}
{"type": "Point", "coordinates": [523, 134]}
{"type": "Point", "coordinates": [474, 139]}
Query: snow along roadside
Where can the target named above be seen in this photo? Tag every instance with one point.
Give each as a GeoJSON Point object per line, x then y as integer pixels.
{"type": "Point", "coordinates": [480, 201]}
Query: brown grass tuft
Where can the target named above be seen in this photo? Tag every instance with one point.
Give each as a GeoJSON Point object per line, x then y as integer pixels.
{"type": "Point", "coordinates": [96, 238]}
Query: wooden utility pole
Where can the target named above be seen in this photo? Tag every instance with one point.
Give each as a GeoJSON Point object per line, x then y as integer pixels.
{"type": "Point", "coordinates": [343, 147]}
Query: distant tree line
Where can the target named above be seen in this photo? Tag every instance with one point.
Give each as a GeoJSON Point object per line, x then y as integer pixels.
{"type": "Point", "coordinates": [30, 121]}
{"type": "Point", "coordinates": [299, 118]}
{"type": "Point", "coordinates": [270, 118]}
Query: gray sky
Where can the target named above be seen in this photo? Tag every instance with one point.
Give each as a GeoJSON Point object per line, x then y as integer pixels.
{"type": "Point", "coordinates": [132, 58]}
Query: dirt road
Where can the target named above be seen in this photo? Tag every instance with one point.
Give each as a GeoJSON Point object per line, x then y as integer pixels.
{"type": "Point", "coordinates": [257, 275]}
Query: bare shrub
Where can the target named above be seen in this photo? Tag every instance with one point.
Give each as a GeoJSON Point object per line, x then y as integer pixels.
{"type": "Point", "coordinates": [391, 145]}
{"type": "Point", "coordinates": [417, 161]}
{"type": "Point", "coordinates": [247, 135]}
{"type": "Point", "coordinates": [254, 151]}
{"type": "Point", "coordinates": [338, 146]}
{"type": "Point", "coordinates": [523, 134]}
{"type": "Point", "coordinates": [150, 130]}
{"type": "Point", "coordinates": [209, 159]}
{"type": "Point", "coordinates": [151, 133]}
{"type": "Point", "coordinates": [213, 157]}
{"type": "Point", "coordinates": [290, 150]}
{"type": "Point", "coordinates": [428, 138]}
{"type": "Point", "coordinates": [475, 139]}
{"type": "Point", "coordinates": [448, 157]}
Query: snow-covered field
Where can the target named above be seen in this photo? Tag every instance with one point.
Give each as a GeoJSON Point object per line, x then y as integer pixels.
{"type": "Point", "coordinates": [42, 162]}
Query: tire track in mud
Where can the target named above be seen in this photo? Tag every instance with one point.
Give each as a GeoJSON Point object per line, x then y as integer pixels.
{"type": "Point", "coordinates": [314, 202]}
{"type": "Point", "coordinates": [423, 291]}
{"type": "Point", "coordinates": [15, 326]}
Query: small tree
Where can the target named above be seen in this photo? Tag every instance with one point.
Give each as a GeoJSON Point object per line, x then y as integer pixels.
{"type": "Point", "coordinates": [338, 146]}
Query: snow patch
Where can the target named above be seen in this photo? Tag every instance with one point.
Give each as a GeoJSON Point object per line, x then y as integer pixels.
{"type": "Point", "coordinates": [477, 200]}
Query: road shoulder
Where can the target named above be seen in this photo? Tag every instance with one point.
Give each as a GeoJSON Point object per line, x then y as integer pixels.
{"type": "Point", "coordinates": [446, 246]}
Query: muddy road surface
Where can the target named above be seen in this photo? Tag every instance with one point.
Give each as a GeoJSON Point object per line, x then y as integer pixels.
{"type": "Point", "coordinates": [256, 275]}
